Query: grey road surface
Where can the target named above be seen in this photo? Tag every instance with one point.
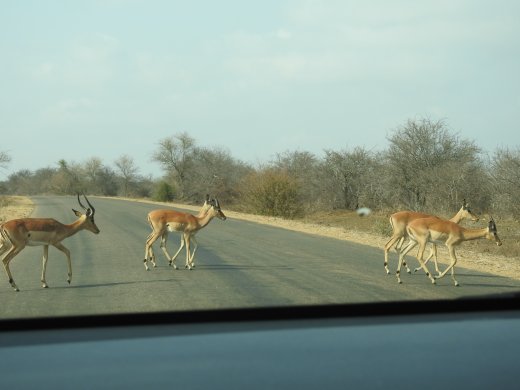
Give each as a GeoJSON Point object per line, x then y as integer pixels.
{"type": "Point", "coordinates": [239, 264]}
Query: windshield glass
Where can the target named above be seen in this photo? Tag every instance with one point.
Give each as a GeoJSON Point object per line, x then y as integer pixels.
{"type": "Point", "coordinates": [169, 156]}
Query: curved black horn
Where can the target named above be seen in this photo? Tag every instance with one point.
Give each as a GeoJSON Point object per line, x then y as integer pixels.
{"type": "Point", "coordinates": [89, 204]}
{"type": "Point", "coordinates": [79, 201]}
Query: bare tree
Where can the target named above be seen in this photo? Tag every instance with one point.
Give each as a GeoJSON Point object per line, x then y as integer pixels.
{"type": "Point", "coordinates": [350, 174]}
{"type": "Point", "coordinates": [92, 169]}
{"type": "Point", "coordinates": [98, 178]}
{"type": "Point", "coordinates": [505, 170]}
{"type": "Point", "coordinates": [214, 171]}
{"type": "Point", "coordinates": [423, 157]}
{"type": "Point", "coordinates": [20, 182]}
{"type": "Point", "coordinates": [175, 155]}
{"type": "Point", "coordinates": [5, 159]}
{"type": "Point", "coordinates": [128, 170]}
{"type": "Point", "coordinates": [67, 179]}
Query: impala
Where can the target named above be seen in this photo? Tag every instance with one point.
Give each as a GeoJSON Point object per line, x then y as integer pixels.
{"type": "Point", "coordinates": [400, 221]}
{"type": "Point", "coordinates": [155, 224]}
{"type": "Point", "coordinates": [439, 231]}
{"type": "Point", "coordinates": [16, 234]}
{"type": "Point", "coordinates": [162, 221]}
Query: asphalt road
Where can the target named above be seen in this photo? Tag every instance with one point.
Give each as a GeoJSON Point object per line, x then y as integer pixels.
{"type": "Point", "coordinates": [239, 264]}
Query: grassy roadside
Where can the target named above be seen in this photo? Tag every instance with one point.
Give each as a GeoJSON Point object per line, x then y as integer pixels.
{"type": "Point", "coordinates": [12, 207]}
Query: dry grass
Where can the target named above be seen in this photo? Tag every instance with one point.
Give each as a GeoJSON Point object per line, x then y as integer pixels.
{"type": "Point", "coordinates": [12, 207]}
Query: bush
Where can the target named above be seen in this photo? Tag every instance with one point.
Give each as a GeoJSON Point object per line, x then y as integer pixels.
{"type": "Point", "coordinates": [273, 193]}
{"type": "Point", "coordinates": [164, 192]}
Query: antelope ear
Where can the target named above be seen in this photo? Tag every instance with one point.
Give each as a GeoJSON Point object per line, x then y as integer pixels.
{"type": "Point", "coordinates": [78, 214]}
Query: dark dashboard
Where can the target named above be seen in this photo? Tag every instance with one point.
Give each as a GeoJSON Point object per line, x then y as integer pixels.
{"type": "Point", "coordinates": [469, 343]}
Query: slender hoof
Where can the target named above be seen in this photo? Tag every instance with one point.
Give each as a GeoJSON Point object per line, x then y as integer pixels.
{"type": "Point", "coordinates": [457, 284]}
{"type": "Point", "coordinates": [409, 271]}
{"type": "Point", "coordinates": [16, 289]}
{"type": "Point", "coordinates": [44, 285]}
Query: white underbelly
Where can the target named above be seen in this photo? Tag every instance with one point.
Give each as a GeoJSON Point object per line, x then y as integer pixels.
{"type": "Point", "coordinates": [37, 243]}
{"type": "Point", "coordinates": [39, 238]}
{"type": "Point", "coordinates": [175, 227]}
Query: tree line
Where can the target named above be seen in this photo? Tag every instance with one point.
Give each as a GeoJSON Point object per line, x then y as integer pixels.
{"type": "Point", "coordinates": [426, 167]}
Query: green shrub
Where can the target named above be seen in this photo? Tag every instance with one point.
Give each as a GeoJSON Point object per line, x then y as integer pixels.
{"type": "Point", "coordinates": [164, 192]}
{"type": "Point", "coordinates": [273, 193]}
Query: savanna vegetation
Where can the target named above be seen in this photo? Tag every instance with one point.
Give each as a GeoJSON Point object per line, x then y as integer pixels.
{"type": "Point", "coordinates": [426, 167]}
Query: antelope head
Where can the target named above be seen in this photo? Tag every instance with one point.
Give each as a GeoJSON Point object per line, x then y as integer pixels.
{"type": "Point", "coordinates": [218, 212]}
{"type": "Point", "coordinates": [89, 223]}
{"type": "Point", "coordinates": [467, 212]}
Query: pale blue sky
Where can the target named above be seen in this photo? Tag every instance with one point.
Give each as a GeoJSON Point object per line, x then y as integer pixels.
{"type": "Point", "coordinates": [81, 79]}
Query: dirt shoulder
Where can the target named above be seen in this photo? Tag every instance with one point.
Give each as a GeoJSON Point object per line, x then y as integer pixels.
{"type": "Point", "coordinates": [483, 262]}
{"type": "Point", "coordinates": [13, 207]}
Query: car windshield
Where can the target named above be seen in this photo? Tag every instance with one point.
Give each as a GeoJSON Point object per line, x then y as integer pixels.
{"type": "Point", "coordinates": [168, 156]}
